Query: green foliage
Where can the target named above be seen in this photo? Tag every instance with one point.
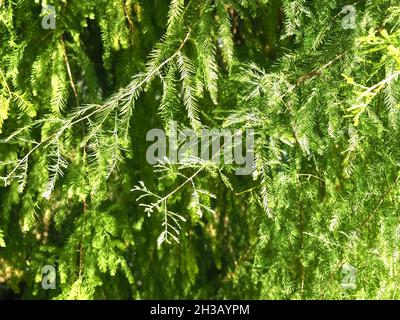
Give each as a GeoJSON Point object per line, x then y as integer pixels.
{"type": "Point", "coordinates": [77, 192]}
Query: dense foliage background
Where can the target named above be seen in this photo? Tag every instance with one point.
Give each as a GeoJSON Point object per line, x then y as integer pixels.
{"type": "Point", "coordinates": [76, 103]}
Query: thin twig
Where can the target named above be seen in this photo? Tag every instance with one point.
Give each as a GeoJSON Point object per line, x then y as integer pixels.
{"type": "Point", "coordinates": [190, 179]}
{"type": "Point", "coordinates": [310, 176]}
{"type": "Point", "coordinates": [311, 75]}
{"type": "Point", "coordinates": [380, 84]}
{"type": "Point", "coordinates": [131, 26]}
{"type": "Point", "coordinates": [372, 213]}
{"type": "Point", "coordinates": [69, 71]}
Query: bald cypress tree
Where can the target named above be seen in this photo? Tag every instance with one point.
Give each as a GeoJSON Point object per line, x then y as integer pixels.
{"type": "Point", "coordinates": [83, 82]}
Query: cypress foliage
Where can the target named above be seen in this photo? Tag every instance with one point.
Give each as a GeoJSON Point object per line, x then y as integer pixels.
{"type": "Point", "coordinates": [77, 192]}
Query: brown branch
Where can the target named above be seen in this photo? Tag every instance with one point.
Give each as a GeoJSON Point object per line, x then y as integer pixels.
{"type": "Point", "coordinates": [311, 75]}
{"type": "Point", "coordinates": [317, 72]}
{"type": "Point", "coordinates": [373, 212]}
{"type": "Point", "coordinates": [69, 71]}
{"type": "Point", "coordinates": [128, 18]}
{"type": "Point", "coordinates": [81, 253]}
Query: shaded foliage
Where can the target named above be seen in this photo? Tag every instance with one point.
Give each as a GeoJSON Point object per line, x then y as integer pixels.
{"type": "Point", "coordinates": [77, 193]}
